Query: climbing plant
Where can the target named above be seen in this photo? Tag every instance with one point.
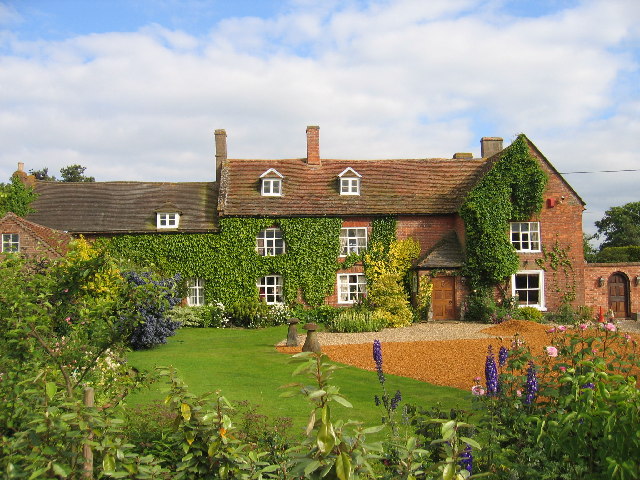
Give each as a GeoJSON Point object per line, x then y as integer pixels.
{"type": "Point", "coordinates": [228, 261]}
{"type": "Point", "coordinates": [511, 191]}
{"type": "Point", "coordinates": [230, 266]}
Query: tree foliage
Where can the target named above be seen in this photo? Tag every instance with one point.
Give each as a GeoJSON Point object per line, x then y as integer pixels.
{"type": "Point", "coordinates": [620, 226]}
{"type": "Point", "coordinates": [16, 197]}
{"type": "Point", "coordinates": [70, 173]}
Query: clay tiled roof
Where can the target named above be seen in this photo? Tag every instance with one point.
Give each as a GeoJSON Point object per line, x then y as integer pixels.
{"type": "Point", "coordinates": [418, 186]}
{"type": "Point", "coordinates": [447, 253]}
{"type": "Point", "coordinates": [55, 241]}
{"type": "Point", "coordinates": [120, 207]}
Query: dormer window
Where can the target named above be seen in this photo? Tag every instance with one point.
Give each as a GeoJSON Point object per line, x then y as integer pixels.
{"type": "Point", "coordinates": [349, 182]}
{"type": "Point", "coordinates": [271, 185]}
{"type": "Point", "coordinates": [167, 220]}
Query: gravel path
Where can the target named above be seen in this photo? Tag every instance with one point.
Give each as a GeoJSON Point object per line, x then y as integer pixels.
{"type": "Point", "coordinates": [440, 353]}
{"type": "Point", "coordinates": [432, 331]}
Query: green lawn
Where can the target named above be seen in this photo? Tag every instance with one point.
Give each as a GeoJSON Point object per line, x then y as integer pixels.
{"type": "Point", "coordinates": [244, 365]}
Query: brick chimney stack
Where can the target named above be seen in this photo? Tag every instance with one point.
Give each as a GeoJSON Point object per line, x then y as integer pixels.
{"type": "Point", "coordinates": [221, 150]}
{"type": "Point", "coordinates": [313, 145]}
{"type": "Point", "coordinates": [489, 146]}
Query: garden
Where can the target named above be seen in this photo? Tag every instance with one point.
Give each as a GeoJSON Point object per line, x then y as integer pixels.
{"type": "Point", "coordinates": [104, 375]}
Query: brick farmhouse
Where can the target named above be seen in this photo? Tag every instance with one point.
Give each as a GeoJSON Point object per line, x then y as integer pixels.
{"type": "Point", "coordinates": [424, 197]}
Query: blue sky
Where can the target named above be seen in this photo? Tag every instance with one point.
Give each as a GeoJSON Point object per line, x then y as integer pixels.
{"type": "Point", "coordinates": [134, 89]}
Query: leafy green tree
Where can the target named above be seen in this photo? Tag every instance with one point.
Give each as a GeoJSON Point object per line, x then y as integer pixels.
{"type": "Point", "coordinates": [42, 174]}
{"type": "Point", "coordinates": [16, 197]}
{"type": "Point", "coordinates": [590, 251]}
{"type": "Point", "coordinates": [75, 173]}
{"type": "Point", "coordinates": [620, 226]}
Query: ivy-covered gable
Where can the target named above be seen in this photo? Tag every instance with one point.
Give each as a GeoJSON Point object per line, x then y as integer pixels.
{"type": "Point", "coordinates": [511, 190]}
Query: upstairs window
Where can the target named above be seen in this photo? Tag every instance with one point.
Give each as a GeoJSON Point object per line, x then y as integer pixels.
{"type": "Point", "coordinates": [10, 242]}
{"type": "Point", "coordinates": [195, 289]}
{"type": "Point", "coordinates": [525, 236]}
{"type": "Point", "coordinates": [271, 183]}
{"type": "Point", "coordinates": [349, 182]}
{"type": "Point", "coordinates": [528, 288]}
{"type": "Point", "coordinates": [352, 240]}
{"type": "Point", "coordinates": [168, 220]}
{"type": "Point", "coordinates": [269, 242]}
{"type": "Point", "coordinates": [270, 289]}
{"type": "Point", "coordinates": [351, 287]}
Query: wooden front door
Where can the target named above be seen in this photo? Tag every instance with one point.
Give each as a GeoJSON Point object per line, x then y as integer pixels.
{"type": "Point", "coordinates": [618, 295]}
{"type": "Point", "coordinates": [443, 298]}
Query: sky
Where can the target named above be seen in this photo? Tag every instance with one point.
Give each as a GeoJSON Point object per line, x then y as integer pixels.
{"type": "Point", "coordinates": [134, 89]}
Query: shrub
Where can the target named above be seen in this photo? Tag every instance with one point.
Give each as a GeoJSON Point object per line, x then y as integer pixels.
{"type": "Point", "coordinates": [154, 299]}
{"type": "Point", "coordinates": [323, 314]}
{"type": "Point", "coordinates": [205, 316]}
{"type": "Point", "coordinates": [570, 412]}
{"type": "Point", "coordinates": [531, 314]}
{"type": "Point", "coordinates": [352, 320]}
{"type": "Point", "coordinates": [254, 313]}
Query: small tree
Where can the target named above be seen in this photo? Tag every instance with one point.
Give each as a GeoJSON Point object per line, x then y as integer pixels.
{"type": "Point", "coordinates": [385, 279]}
{"type": "Point", "coordinates": [75, 173]}
{"type": "Point", "coordinates": [17, 198]}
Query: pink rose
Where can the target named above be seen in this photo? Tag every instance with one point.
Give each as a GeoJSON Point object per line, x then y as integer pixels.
{"type": "Point", "coordinates": [519, 393]}
{"type": "Point", "coordinates": [610, 327]}
{"type": "Point", "coordinates": [552, 330]}
{"type": "Point", "coordinates": [562, 328]}
{"type": "Point", "coordinates": [551, 351]}
{"type": "Point", "coordinates": [477, 390]}
{"type": "Point", "coordinates": [583, 326]}
{"type": "Point", "coordinates": [563, 369]}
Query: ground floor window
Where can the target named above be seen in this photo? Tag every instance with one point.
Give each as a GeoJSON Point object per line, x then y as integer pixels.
{"type": "Point", "coordinates": [270, 288]}
{"type": "Point", "coordinates": [10, 242]}
{"type": "Point", "coordinates": [351, 287]}
{"type": "Point", "coordinates": [528, 288]}
{"type": "Point", "coordinates": [195, 289]}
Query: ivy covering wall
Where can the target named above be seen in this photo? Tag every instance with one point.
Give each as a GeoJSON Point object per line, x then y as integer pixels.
{"type": "Point", "coordinates": [511, 191]}
{"type": "Point", "coordinates": [228, 262]}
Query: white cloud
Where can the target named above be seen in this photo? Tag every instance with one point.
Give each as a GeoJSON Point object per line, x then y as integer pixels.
{"type": "Point", "coordinates": [389, 79]}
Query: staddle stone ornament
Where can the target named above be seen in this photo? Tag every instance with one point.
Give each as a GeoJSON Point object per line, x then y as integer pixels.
{"type": "Point", "coordinates": [311, 343]}
{"type": "Point", "coordinates": [292, 336]}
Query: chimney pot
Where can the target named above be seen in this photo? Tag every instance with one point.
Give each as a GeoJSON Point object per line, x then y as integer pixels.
{"type": "Point", "coordinates": [21, 166]}
{"type": "Point", "coordinates": [489, 146]}
{"type": "Point", "coordinates": [313, 145]}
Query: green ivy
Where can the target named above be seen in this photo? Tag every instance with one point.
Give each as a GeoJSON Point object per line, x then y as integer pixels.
{"type": "Point", "coordinates": [511, 191]}
{"type": "Point", "coordinates": [229, 265]}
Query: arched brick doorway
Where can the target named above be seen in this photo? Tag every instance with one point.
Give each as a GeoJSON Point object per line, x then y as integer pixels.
{"type": "Point", "coordinates": [618, 287]}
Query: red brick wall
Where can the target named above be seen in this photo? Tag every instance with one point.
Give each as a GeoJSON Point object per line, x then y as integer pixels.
{"type": "Point", "coordinates": [597, 296]}
{"type": "Point", "coordinates": [426, 229]}
{"type": "Point", "coordinates": [560, 221]}
{"type": "Point", "coordinates": [30, 244]}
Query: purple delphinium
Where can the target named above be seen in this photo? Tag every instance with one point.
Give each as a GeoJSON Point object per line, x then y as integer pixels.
{"type": "Point", "coordinates": [491, 373]}
{"type": "Point", "coordinates": [466, 459]}
{"type": "Point", "coordinates": [590, 385]}
{"type": "Point", "coordinates": [397, 398]}
{"type": "Point", "coordinates": [377, 357]}
{"type": "Point", "coordinates": [502, 356]}
{"type": "Point", "coordinates": [531, 387]}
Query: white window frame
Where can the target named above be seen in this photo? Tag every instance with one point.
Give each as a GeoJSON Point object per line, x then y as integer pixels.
{"type": "Point", "coordinates": [272, 242]}
{"type": "Point", "coordinates": [353, 240]}
{"type": "Point", "coordinates": [526, 238]}
{"type": "Point", "coordinates": [270, 289]}
{"type": "Point", "coordinates": [352, 287]}
{"type": "Point", "coordinates": [10, 242]}
{"type": "Point", "coordinates": [271, 187]}
{"type": "Point", "coordinates": [349, 182]}
{"type": "Point", "coordinates": [195, 290]}
{"type": "Point", "coordinates": [271, 183]}
{"type": "Point", "coordinates": [540, 305]}
{"type": "Point", "coordinates": [167, 220]}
